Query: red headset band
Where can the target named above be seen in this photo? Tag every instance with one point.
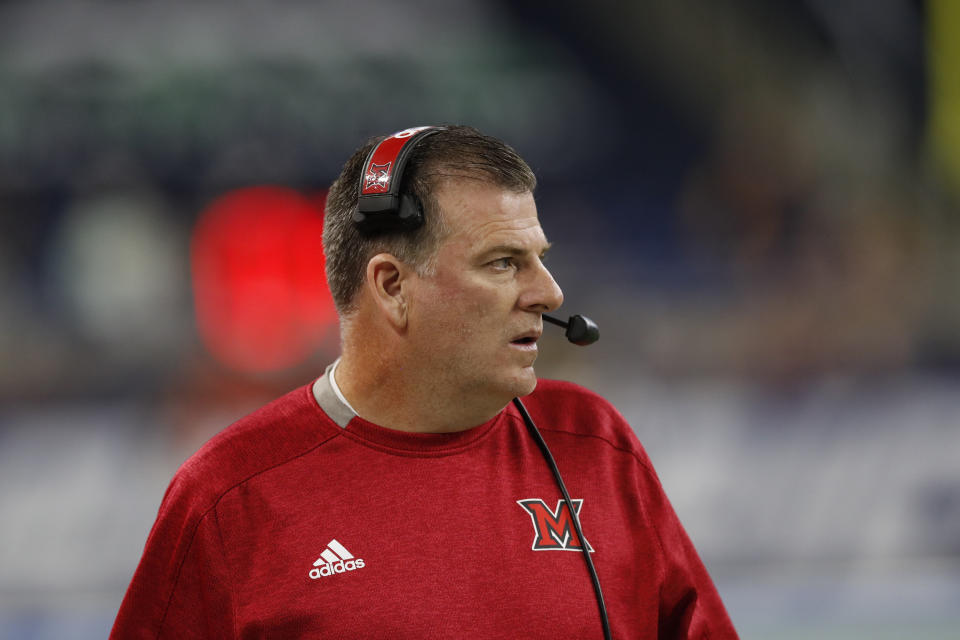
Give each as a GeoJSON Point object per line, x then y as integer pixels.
{"type": "Point", "coordinates": [382, 170]}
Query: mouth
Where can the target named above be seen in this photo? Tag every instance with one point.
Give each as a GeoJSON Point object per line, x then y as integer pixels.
{"type": "Point", "coordinates": [526, 340]}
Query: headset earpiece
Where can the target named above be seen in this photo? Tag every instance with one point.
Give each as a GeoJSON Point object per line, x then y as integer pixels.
{"type": "Point", "coordinates": [407, 216]}
{"type": "Point", "coordinates": [381, 207]}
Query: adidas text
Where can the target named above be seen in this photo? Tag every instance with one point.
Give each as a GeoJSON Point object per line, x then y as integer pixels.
{"type": "Point", "coordinates": [335, 559]}
{"type": "Point", "coordinates": [339, 567]}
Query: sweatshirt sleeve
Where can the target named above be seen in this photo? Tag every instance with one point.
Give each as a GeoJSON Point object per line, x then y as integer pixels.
{"type": "Point", "coordinates": [180, 588]}
{"type": "Point", "coordinates": [690, 606]}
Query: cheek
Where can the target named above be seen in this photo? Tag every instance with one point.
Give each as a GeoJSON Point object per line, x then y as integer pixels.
{"type": "Point", "coordinates": [462, 305]}
{"type": "Point", "coordinates": [462, 314]}
{"type": "Point", "coordinates": [445, 313]}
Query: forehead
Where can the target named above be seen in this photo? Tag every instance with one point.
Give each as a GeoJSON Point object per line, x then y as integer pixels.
{"type": "Point", "coordinates": [478, 212]}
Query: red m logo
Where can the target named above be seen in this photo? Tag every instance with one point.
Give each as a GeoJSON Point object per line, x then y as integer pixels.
{"type": "Point", "coordinates": [553, 528]}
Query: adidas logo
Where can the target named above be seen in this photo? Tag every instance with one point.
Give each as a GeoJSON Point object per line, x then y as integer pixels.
{"type": "Point", "coordinates": [335, 559]}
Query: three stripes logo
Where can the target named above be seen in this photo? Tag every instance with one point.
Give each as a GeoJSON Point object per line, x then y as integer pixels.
{"type": "Point", "coordinates": [335, 559]}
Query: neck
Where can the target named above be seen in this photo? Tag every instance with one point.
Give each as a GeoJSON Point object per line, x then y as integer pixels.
{"type": "Point", "coordinates": [397, 392]}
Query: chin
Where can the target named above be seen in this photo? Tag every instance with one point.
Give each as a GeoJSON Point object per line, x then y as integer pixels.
{"type": "Point", "coordinates": [525, 384]}
{"type": "Point", "coordinates": [520, 382]}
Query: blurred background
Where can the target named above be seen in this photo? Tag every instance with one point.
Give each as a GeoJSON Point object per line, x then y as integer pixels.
{"type": "Point", "coordinates": [755, 199]}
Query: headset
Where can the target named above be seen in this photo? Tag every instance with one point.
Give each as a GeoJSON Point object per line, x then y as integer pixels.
{"type": "Point", "coordinates": [383, 208]}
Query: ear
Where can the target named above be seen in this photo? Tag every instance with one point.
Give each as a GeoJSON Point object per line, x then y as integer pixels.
{"type": "Point", "coordinates": [386, 281]}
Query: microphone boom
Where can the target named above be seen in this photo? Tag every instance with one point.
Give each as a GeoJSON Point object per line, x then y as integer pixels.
{"type": "Point", "coordinates": [580, 329]}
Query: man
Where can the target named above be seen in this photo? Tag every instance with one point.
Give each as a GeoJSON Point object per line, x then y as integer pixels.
{"type": "Point", "coordinates": [400, 495]}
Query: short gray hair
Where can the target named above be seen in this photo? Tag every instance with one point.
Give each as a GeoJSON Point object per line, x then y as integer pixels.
{"type": "Point", "coordinates": [453, 152]}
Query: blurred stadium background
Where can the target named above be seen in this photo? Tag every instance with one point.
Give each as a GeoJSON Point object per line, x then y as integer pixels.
{"type": "Point", "coordinates": [755, 199]}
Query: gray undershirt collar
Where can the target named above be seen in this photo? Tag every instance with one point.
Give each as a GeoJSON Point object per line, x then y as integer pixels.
{"type": "Point", "coordinates": [332, 403]}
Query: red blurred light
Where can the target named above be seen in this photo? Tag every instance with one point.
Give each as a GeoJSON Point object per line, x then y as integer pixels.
{"type": "Point", "coordinates": [260, 292]}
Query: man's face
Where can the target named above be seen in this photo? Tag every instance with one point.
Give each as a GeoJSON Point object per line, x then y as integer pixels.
{"type": "Point", "coordinates": [475, 321]}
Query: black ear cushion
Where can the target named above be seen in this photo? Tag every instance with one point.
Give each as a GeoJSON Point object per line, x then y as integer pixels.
{"type": "Point", "coordinates": [408, 216]}
{"type": "Point", "coordinates": [411, 211]}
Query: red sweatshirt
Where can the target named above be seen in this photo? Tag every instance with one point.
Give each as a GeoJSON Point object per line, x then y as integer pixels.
{"type": "Point", "coordinates": [286, 525]}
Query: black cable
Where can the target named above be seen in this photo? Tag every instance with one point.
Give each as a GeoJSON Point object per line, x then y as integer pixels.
{"type": "Point", "coordinates": [559, 323]}
{"type": "Point", "coordinates": [532, 428]}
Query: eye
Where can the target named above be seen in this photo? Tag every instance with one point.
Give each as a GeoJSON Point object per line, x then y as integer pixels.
{"type": "Point", "coordinates": [503, 264]}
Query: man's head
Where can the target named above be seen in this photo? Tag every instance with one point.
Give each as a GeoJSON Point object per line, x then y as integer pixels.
{"type": "Point", "coordinates": [456, 304]}
{"type": "Point", "coordinates": [455, 151]}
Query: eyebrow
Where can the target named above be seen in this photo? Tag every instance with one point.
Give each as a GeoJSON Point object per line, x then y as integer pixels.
{"type": "Point", "coordinates": [513, 250]}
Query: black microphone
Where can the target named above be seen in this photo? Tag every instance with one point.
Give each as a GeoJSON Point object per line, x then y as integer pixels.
{"type": "Point", "coordinates": [580, 329]}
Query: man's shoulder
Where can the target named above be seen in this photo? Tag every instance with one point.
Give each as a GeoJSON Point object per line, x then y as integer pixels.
{"type": "Point", "coordinates": [546, 386]}
{"type": "Point", "coordinates": [277, 433]}
{"type": "Point", "coordinates": [567, 397]}
{"type": "Point", "coordinates": [565, 406]}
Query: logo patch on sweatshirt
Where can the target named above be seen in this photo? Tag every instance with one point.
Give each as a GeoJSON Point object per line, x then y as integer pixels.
{"type": "Point", "coordinates": [333, 560]}
{"type": "Point", "coordinates": [553, 528]}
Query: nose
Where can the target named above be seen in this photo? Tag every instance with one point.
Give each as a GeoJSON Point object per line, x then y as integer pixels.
{"type": "Point", "coordinates": [542, 293]}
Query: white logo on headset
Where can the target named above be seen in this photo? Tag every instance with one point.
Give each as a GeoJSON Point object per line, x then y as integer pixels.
{"type": "Point", "coordinates": [406, 133]}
